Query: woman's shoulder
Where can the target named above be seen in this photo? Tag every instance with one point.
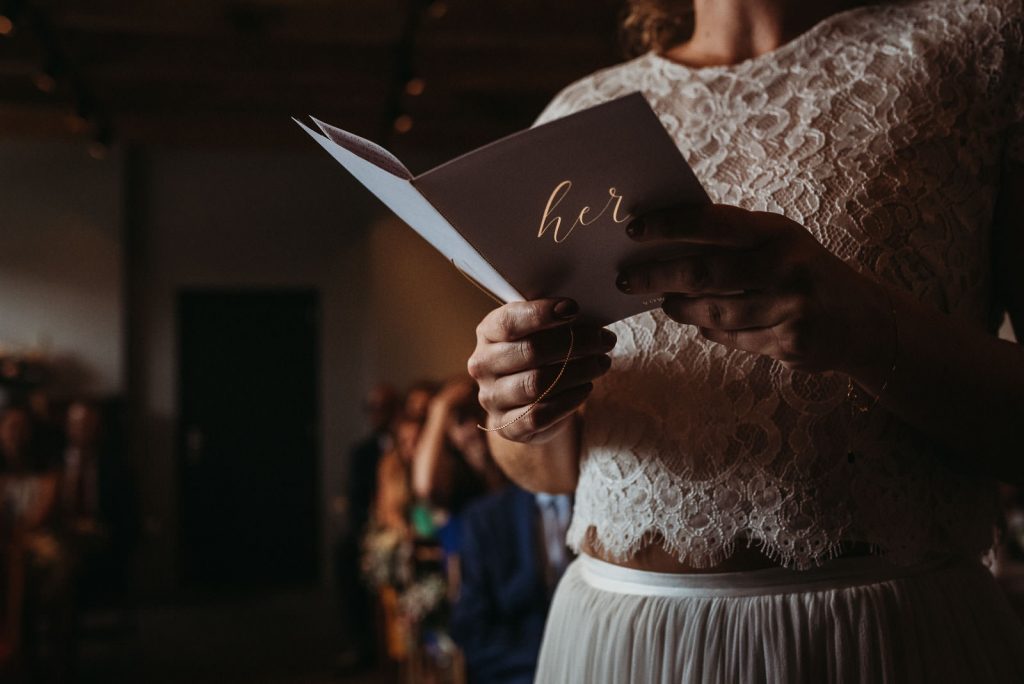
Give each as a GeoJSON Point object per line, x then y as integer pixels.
{"type": "Point", "coordinates": [970, 23]}
{"type": "Point", "coordinates": [599, 86]}
{"type": "Point", "coordinates": [985, 40]}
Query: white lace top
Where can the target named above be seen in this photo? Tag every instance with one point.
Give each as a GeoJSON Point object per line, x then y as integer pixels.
{"type": "Point", "coordinates": [884, 130]}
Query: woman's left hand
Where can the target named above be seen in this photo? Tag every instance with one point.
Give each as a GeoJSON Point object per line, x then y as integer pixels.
{"type": "Point", "coordinates": [762, 283]}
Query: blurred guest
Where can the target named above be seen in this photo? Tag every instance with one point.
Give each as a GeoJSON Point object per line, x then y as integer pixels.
{"type": "Point", "coordinates": [30, 558]}
{"type": "Point", "coordinates": [394, 493]}
{"type": "Point", "coordinates": [417, 399]}
{"type": "Point", "coordinates": [49, 435]}
{"type": "Point", "coordinates": [380, 406]}
{"type": "Point", "coordinates": [16, 433]}
{"type": "Point", "coordinates": [513, 553]}
{"type": "Point", "coordinates": [452, 467]}
{"type": "Point", "coordinates": [95, 502]}
{"type": "Point", "coordinates": [453, 464]}
{"type": "Point", "coordinates": [361, 492]}
{"type": "Point", "coordinates": [388, 544]}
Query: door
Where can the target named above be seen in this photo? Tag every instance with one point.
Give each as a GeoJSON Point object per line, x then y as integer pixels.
{"type": "Point", "coordinates": [248, 438]}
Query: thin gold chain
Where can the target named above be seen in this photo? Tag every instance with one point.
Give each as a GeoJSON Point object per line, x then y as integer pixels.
{"type": "Point", "coordinates": [529, 409]}
{"type": "Point", "coordinates": [561, 371]}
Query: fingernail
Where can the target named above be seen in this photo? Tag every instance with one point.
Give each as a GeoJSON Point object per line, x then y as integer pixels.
{"type": "Point", "coordinates": [566, 308]}
{"type": "Point", "coordinates": [608, 338]}
{"type": "Point", "coordinates": [623, 284]}
{"type": "Point", "coordinates": [605, 362]}
{"type": "Point", "coordinates": [635, 228]}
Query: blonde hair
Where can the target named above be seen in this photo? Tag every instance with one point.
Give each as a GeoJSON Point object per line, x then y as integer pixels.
{"type": "Point", "coordinates": [656, 25]}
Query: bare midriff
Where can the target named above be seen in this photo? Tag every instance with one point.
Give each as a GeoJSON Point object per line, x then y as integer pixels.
{"type": "Point", "coordinates": [654, 558]}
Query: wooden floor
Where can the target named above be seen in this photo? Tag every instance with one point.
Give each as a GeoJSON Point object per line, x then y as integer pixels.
{"type": "Point", "coordinates": [281, 639]}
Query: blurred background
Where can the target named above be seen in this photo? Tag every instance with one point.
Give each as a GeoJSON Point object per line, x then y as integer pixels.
{"type": "Point", "coordinates": [238, 441]}
{"type": "Point", "coordinates": [196, 302]}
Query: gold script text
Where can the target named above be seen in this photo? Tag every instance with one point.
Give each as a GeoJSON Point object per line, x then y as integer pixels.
{"type": "Point", "coordinates": [584, 218]}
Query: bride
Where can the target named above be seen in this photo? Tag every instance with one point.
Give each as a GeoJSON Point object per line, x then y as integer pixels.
{"type": "Point", "coordinates": [794, 483]}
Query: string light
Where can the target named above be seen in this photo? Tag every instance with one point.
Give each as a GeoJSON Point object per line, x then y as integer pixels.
{"type": "Point", "coordinates": [415, 86]}
{"type": "Point", "coordinates": [403, 124]}
{"type": "Point", "coordinates": [10, 11]}
{"type": "Point", "coordinates": [438, 9]}
{"type": "Point", "coordinates": [76, 123]}
{"type": "Point", "coordinates": [98, 151]}
{"type": "Point", "coordinates": [45, 82]}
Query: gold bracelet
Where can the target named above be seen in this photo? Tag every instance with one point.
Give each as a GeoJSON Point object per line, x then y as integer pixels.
{"type": "Point", "coordinates": [529, 409]}
{"type": "Point", "coordinates": [851, 387]}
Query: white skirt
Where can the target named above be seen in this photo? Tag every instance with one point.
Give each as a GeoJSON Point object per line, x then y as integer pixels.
{"type": "Point", "coordinates": [851, 620]}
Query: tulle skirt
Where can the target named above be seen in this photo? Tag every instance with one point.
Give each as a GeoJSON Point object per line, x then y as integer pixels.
{"type": "Point", "coordinates": [851, 620]}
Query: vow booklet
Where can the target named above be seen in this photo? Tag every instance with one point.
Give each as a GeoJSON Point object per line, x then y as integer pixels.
{"type": "Point", "coordinates": [543, 212]}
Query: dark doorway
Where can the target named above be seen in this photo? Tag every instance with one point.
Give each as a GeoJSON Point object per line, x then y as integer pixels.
{"type": "Point", "coordinates": [248, 438]}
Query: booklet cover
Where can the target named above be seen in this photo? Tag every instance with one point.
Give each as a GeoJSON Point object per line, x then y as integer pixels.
{"type": "Point", "coordinates": [542, 212]}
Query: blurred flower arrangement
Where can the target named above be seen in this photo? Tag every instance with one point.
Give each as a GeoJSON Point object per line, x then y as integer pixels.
{"type": "Point", "coordinates": [423, 597]}
{"type": "Point", "coordinates": [387, 558]}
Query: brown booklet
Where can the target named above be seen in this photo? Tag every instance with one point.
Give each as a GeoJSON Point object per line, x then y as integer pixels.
{"type": "Point", "coordinates": [542, 212]}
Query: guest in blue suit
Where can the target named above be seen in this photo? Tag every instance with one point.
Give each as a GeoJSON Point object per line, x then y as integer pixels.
{"type": "Point", "coordinates": [513, 552]}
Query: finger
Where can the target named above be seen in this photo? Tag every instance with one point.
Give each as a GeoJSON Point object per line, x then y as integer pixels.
{"type": "Point", "coordinates": [545, 433]}
{"type": "Point", "coordinates": [720, 272]}
{"type": "Point", "coordinates": [544, 415]}
{"type": "Point", "coordinates": [717, 224]}
{"type": "Point", "coordinates": [516, 320]}
{"type": "Point", "coordinates": [539, 349]}
{"type": "Point", "coordinates": [763, 341]}
{"type": "Point", "coordinates": [524, 388]}
{"type": "Point", "coordinates": [739, 312]}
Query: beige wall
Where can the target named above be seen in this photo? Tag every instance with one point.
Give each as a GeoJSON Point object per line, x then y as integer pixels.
{"type": "Point", "coordinates": [61, 261]}
{"type": "Point", "coordinates": [424, 311]}
{"type": "Point", "coordinates": [392, 309]}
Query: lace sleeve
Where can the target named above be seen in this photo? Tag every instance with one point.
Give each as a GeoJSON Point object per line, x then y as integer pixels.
{"type": "Point", "coordinates": [572, 98]}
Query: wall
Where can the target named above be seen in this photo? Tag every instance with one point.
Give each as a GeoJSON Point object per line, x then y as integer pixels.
{"type": "Point", "coordinates": [61, 260]}
{"type": "Point", "coordinates": [424, 311]}
{"type": "Point", "coordinates": [289, 219]}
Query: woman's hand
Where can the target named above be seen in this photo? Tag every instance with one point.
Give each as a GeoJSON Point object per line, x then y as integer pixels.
{"type": "Point", "coordinates": [519, 352]}
{"type": "Point", "coordinates": [761, 283]}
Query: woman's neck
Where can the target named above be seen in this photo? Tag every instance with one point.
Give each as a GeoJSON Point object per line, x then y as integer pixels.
{"type": "Point", "coordinates": [732, 31]}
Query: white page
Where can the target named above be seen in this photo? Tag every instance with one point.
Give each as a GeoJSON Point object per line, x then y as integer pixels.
{"type": "Point", "coordinates": [409, 205]}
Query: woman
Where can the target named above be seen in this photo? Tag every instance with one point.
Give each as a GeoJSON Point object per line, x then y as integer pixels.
{"type": "Point", "coordinates": [452, 465]}
{"type": "Point", "coordinates": [793, 483]}
{"type": "Point", "coordinates": [34, 569]}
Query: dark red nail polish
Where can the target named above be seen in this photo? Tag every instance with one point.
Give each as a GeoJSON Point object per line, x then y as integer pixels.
{"type": "Point", "coordinates": [608, 338]}
{"type": "Point", "coordinates": [566, 308]}
{"type": "Point", "coordinates": [635, 228]}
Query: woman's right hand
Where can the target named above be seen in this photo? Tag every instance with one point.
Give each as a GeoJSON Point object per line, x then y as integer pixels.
{"type": "Point", "coordinates": [520, 348]}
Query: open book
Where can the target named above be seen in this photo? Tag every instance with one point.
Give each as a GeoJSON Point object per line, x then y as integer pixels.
{"type": "Point", "coordinates": [542, 212]}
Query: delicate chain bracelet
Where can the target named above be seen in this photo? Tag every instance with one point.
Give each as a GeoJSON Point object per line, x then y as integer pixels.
{"type": "Point", "coordinates": [529, 409]}
{"type": "Point", "coordinates": [851, 387]}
